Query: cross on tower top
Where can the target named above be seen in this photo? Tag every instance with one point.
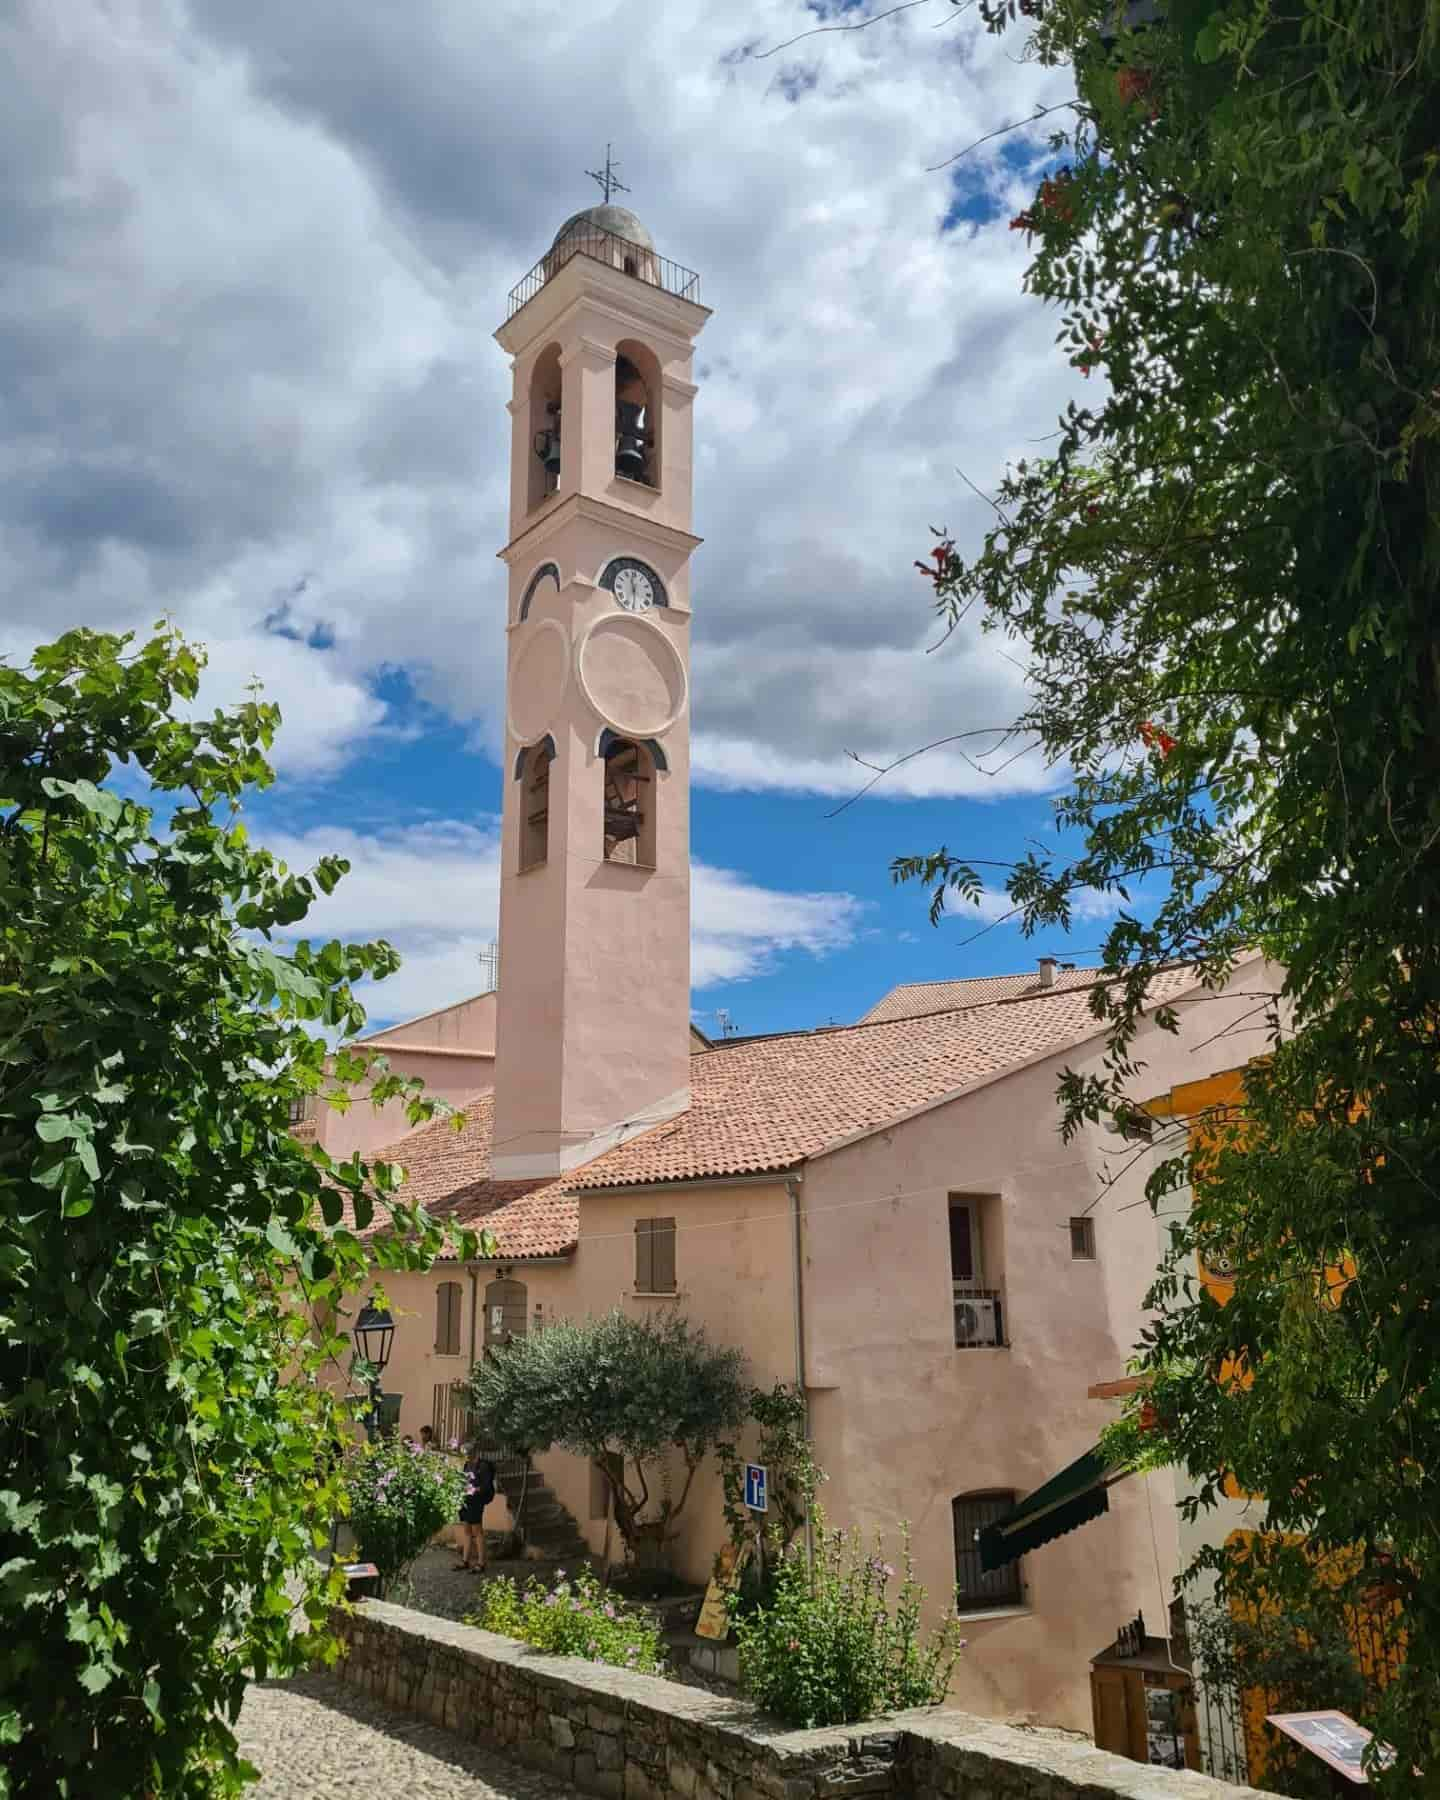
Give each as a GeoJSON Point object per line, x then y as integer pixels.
{"type": "Point", "coordinates": [610, 182]}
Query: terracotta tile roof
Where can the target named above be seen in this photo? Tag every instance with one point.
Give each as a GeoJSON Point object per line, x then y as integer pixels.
{"type": "Point", "coordinates": [757, 1105]}
{"type": "Point", "coordinates": [448, 1173]}
{"type": "Point", "coordinates": [914, 999]}
{"type": "Point", "coordinates": [769, 1103]}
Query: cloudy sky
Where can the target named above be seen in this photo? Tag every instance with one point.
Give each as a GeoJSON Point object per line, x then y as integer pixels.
{"type": "Point", "coordinates": [253, 255]}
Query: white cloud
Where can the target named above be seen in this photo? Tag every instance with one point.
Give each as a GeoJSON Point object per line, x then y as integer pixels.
{"type": "Point", "coordinates": [738, 929]}
{"type": "Point", "coordinates": [433, 891]}
{"type": "Point", "coordinates": [994, 906]}
{"type": "Point", "coordinates": [253, 256]}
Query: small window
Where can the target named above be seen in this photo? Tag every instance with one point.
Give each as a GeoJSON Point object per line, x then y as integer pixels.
{"type": "Point", "coordinates": [299, 1108]}
{"type": "Point", "coordinates": [447, 1319]}
{"type": "Point", "coordinates": [535, 805]}
{"type": "Point", "coordinates": [654, 1256]}
{"type": "Point", "coordinates": [977, 1589]}
{"type": "Point", "coordinates": [1082, 1239]}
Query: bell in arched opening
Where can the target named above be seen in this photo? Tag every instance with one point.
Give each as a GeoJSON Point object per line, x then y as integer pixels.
{"type": "Point", "coordinates": [633, 436]}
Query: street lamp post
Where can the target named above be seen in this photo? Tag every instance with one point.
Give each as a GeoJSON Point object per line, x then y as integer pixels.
{"type": "Point", "coordinates": [374, 1336]}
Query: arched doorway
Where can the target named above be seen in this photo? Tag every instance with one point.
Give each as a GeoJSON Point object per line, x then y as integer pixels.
{"type": "Point", "coordinates": [505, 1302]}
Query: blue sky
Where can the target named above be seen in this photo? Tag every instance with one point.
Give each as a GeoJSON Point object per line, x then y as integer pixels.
{"type": "Point", "coordinates": [255, 258]}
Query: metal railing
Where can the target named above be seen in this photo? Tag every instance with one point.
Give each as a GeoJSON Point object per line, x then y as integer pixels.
{"type": "Point", "coordinates": [620, 253]}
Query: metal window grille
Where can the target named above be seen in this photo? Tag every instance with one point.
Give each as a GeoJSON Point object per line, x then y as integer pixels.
{"type": "Point", "coordinates": [977, 1589]}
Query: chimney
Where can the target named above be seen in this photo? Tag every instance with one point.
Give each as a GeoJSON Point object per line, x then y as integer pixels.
{"type": "Point", "coordinates": [1047, 971]}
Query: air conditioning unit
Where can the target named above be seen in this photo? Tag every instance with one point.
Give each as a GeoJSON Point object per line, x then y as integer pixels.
{"type": "Point", "coordinates": [977, 1321]}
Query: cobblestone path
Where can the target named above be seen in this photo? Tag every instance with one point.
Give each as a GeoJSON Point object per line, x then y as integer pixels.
{"type": "Point", "coordinates": [315, 1739]}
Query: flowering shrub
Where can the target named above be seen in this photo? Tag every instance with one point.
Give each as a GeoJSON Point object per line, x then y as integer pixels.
{"type": "Point", "coordinates": [400, 1496]}
{"type": "Point", "coordinates": [574, 1618]}
{"type": "Point", "coordinates": [839, 1642]}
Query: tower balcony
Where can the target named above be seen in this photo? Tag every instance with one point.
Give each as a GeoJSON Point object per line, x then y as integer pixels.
{"type": "Point", "coordinates": [640, 260]}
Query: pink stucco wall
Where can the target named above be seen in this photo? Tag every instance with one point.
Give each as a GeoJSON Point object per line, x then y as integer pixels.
{"type": "Point", "coordinates": [453, 1053]}
{"type": "Point", "coordinates": [905, 1421]}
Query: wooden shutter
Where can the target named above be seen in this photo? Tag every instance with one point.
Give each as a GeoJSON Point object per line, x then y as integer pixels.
{"type": "Point", "coordinates": [662, 1239]}
{"type": "Point", "coordinates": [447, 1319]}
{"type": "Point", "coordinates": [654, 1256]}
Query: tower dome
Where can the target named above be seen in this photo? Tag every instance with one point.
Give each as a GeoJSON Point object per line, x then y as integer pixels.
{"type": "Point", "coordinates": [619, 221]}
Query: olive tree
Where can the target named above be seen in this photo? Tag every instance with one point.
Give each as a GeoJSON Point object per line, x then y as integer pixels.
{"type": "Point", "coordinates": [632, 1395]}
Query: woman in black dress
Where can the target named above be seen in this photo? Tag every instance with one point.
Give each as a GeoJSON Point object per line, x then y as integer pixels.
{"type": "Point", "coordinates": [479, 1492]}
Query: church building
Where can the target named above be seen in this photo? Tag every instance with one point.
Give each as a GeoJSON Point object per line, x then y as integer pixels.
{"type": "Point", "coordinates": [882, 1212]}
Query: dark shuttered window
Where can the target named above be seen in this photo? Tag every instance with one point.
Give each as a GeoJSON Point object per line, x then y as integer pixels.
{"type": "Point", "coordinates": [447, 1319]}
{"type": "Point", "coordinates": [976, 1589]}
{"type": "Point", "coordinates": [654, 1256]}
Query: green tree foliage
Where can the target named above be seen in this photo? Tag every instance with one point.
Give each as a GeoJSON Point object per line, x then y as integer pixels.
{"type": "Point", "coordinates": [1226, 585]}
{"type": "Point", "coordinates": [169, 1455]}
{"type": "Point", "coordinates": [399, 1496]}
{"type": "Point", "coordinates": [834, 1642]}
{"type": "Point", "coordinates": [635, 1396]}
{"type": "Point", "coordinates": [1307, 1658]}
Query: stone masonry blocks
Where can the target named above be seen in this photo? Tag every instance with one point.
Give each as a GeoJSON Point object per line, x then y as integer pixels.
{"type": "Point", "coordinates": [635, 1737]}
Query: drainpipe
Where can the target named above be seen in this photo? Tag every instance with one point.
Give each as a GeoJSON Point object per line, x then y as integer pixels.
{"type": "Point", "coordinates": [792, 1187]}
{"type": "Point", "coordinates": [474, 1308]}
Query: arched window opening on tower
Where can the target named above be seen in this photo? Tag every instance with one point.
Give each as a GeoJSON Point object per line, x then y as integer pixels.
{"type": "Point", "coordinates": [545, 425]}
{"type": "Point", "coordinates": [629, 803]}
{"type": "Point", "coordinates": [637, 414]}
{"type": "Point", "coordinates": [535, 804]}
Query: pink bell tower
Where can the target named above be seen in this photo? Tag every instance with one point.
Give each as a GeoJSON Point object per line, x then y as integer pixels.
{"type": "Point", "coordinates": [593, 1022]}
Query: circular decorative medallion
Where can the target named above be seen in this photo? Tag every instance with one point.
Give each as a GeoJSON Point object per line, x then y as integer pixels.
{"type": "Point", "coordinates": [538, 676]}
{"type": "Point", "coordinates": [632, 675]}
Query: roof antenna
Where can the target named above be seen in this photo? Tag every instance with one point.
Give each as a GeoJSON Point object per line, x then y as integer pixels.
{"type": "Point", "coordinates": [610, 182]}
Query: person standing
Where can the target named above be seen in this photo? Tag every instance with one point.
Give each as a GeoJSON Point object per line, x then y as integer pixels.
{"type": "Point", "coordinates": [479, 1492]}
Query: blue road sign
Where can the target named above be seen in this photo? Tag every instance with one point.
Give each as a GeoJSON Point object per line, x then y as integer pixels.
{"type": "Point", "coordinates": [757, 1487]}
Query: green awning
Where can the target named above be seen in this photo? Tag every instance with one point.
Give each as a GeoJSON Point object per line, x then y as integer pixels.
{"type": "Point", "coordinates": [1066, 1500]}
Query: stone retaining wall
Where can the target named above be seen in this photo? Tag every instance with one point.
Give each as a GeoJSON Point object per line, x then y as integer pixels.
{"type": "Point", "coordinates": [636, 1737]}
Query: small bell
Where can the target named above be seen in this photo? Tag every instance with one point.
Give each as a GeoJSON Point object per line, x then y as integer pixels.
{"type": "Point", "coordinates": [630, 441]}
{"type": "Point", "coordinates": [547, 448]}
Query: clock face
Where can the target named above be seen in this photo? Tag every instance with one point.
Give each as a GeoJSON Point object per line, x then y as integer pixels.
{"type": "Point", "coordinates": [633, 589]}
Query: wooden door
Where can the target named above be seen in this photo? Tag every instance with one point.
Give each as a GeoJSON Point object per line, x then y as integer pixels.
{"type": "Point", "coordinates": [1111, 1711]}
{"type": "Point", "coordinates": [505, 1303]}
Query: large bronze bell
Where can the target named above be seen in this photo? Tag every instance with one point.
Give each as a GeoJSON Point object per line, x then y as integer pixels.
{"type": "Point", "coordinates": [631, 440]}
